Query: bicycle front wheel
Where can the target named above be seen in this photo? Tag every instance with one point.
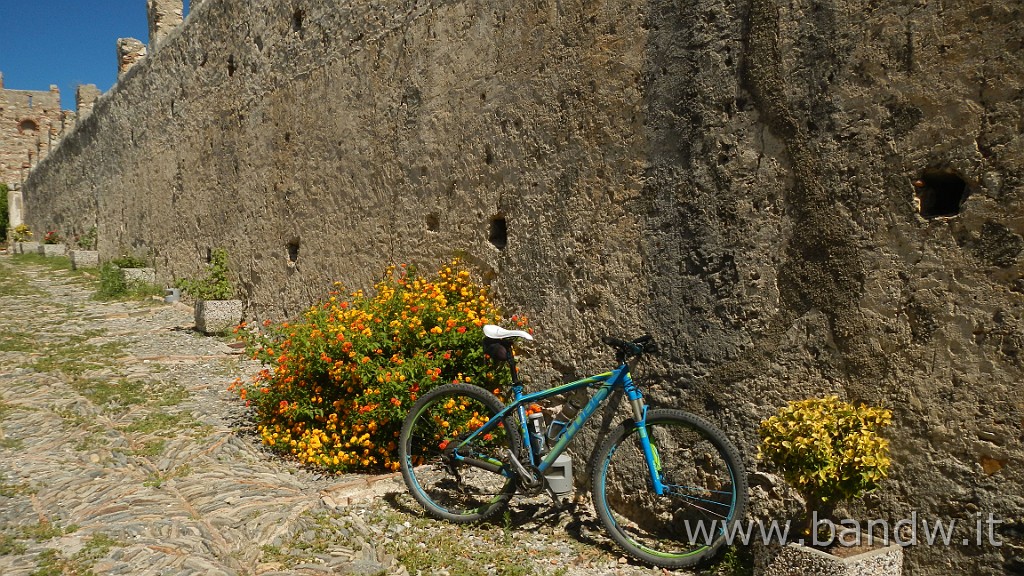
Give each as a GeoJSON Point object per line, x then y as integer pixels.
{"type": "Point", "coordinates": [452, 480]}
{"type": "Point", "coordinates": [705, 489]}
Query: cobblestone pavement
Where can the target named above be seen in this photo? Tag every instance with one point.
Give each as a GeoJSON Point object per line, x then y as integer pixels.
{"type": "Point", "coordinates": [122, 452]}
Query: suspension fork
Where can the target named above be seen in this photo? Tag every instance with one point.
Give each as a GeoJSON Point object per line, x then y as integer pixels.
{"type": "Point", "coordinates": [639, 407]}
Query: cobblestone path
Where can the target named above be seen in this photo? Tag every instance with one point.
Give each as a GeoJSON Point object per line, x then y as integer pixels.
{"type": "Point", "coordinates": [122, 452]}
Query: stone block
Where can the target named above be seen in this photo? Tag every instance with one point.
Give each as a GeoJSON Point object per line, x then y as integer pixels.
{"type": "Point", "coordinates": [138, 275]}
{"type": "Point", "coordinates": [797, 559]}
{"type": "Point", "coordinates": [26, 247]}
{"type": "Point", "coordinates": [217, 316]}
{"type": "Point", "coordinates": [52, 249]}
{"type": "Point", "coordinates": [84, 259]}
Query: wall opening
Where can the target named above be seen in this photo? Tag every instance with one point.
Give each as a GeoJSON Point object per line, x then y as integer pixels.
{"type": "Point", "coordinates": [941, 192]}
{"type": "Point", "coordinates": [498, 234]}
{"type": "Point", "coordinates": [297, 17]}
{"type": "Point", "coordinates": [433, 222]}
{"type": "Point", "coordinates": [293, 251]}
{"type": "Point", "coordinates": [27, 127]}
{"type": "Point", "coordinates": [231, 65]}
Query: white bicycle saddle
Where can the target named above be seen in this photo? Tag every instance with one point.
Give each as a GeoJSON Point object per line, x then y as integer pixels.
{"type": "Point", "coordinates": [499, 333]}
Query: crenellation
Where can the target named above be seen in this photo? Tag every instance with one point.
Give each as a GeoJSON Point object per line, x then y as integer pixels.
{"type": "Point", "coordinates": [85, 98]}
{"type": "Point", "coordinates": [130, 52]}
{"type": "Point", "coordinates": [164, 17]}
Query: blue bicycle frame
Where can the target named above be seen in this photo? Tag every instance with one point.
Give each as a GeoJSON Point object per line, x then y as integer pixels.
{"type": "Point", "coordinates": [606, 383]}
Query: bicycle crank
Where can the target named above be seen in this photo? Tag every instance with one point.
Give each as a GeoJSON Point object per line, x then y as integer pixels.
{"type": "Point", "coordinates": [530, 479]}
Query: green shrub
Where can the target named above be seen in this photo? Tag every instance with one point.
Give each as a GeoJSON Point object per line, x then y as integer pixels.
{"type": "Point", "coordinates": [340, 381]}
{"type": "Point", "coordinates": [129, 261]}
{"type": "Point", "coordinates": [827, 449]}
{"type": "Point", "coordinates": [215, 285]}
{"type": "Point", "coordinates": [112, 285]}
{"type": "Point", "coordinates": [88, 240]}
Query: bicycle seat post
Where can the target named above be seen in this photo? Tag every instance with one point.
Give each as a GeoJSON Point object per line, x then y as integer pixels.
{"type": "Point", "coordinates": [512, 369]}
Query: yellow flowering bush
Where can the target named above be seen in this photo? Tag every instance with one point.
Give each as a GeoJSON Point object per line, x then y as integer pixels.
{"type": "Point", "coordinates": [338, 384]}
{"type": "Point", "coordinates": [21, 233]}
{"type": "Point", "coordinates": [827, 449]}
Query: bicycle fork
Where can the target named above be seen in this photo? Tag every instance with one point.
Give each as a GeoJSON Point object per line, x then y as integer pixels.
{"type": "Point", "coordinates": [650, 450]}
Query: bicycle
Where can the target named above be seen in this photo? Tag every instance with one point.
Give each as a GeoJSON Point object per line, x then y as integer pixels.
{"type": "Point", "coordinates": [667, 485]}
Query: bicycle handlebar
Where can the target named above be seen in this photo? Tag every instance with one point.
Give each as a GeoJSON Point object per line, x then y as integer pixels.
{"type": "Point", "coordinates": [642, 345]}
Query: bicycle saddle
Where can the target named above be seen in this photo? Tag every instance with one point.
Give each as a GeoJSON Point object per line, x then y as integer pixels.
{"type": "Point", "coordinates": [499, 333]}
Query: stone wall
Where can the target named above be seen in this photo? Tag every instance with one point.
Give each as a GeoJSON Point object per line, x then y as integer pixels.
{"type": "Point", "coordinates": [796, 198]}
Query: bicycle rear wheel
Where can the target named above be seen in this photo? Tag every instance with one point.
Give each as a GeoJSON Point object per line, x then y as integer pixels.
{"type": "Point", "coordinates": [705, 489]}
{"type": "Point", "coordinates": [446, 487]}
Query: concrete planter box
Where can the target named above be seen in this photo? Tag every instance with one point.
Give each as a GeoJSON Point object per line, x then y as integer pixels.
{"type": "Point", "coordinates": [53, 249]}
{"type": "Point", "coordinates": [217, 316]}
{"type": "Point", "coordinates": [84, 259]}
{"type": "Point", "coordinates": [138, 275]}
{"type": "Point", "coordinates": [794, 559]}
{"type": "Point", "coordinates": [26, 247]}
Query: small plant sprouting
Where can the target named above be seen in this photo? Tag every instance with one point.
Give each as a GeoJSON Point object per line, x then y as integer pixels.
{"type": "Point", "coordinates": [216, 285]}
{"type": "Point", "coordinates": [88, 240]}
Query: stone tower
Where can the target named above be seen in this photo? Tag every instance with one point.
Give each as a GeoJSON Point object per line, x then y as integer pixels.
{"type": "Point", "coordinates": [164, 17]}
{"type": "Point", "coordinates": [31, 123]}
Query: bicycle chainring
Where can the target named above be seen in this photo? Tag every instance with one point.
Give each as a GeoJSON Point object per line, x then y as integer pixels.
{"type": "Point", "coordinates": [534, 485]}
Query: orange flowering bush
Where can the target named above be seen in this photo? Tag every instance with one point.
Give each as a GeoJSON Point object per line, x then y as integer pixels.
{"type": "Point", "coordinates": [338, 384]}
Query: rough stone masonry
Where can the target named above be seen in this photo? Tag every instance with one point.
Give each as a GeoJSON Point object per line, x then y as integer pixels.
{"type": "Point", "coordinates": [796, 198]}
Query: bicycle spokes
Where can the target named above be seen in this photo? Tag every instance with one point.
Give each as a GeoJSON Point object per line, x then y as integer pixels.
{"type": "Point", "coordinates": [452, 467]}
{"type": "Point", "coordinates": [701, 493]}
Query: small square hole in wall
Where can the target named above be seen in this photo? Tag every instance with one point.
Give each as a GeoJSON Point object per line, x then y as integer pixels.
{"type": "Point", "coordinates": [941, 192]}
{"type": "Point", "coordinates": [433, 222]}
{"type": "Point", "coordinates": [498, 233]}
{"type": "Point", "coordinates": [293, 251]}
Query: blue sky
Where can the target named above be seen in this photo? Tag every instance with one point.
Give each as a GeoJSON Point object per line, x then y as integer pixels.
{"type": "Point", "coordinates": [66, 42]}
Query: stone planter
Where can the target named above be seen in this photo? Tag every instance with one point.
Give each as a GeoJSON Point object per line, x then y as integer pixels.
{"type": "Point", "coordinates": [797, 560]}
{"type": "Point", "coordinates": [53, 249]}
{"type": "Point", "coordinates": [26, 247]}
{"type": "Point", "coordinates": [217, 316]}
{"type": "Point", "coordinates": [84, 259]}
{"type": "Point", "coordinates": [138, 275]}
